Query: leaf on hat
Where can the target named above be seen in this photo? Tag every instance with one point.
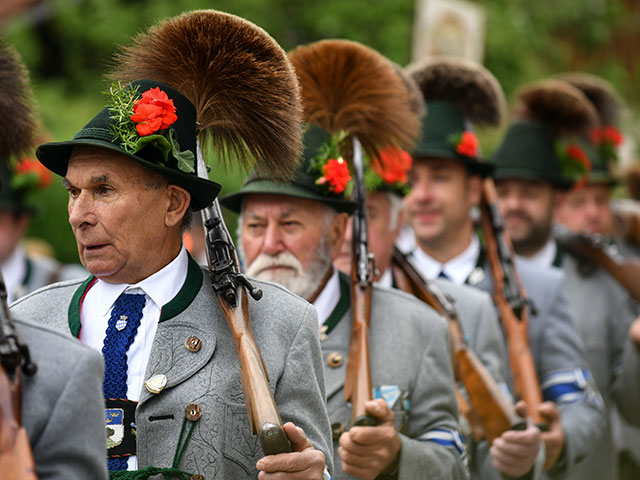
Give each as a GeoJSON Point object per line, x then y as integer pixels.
{"type": "Point", "coordinates": [237, 77]}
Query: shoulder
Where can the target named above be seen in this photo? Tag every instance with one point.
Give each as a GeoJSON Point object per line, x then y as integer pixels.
{"type": "Point", "coordinates": [47, 344]}
{"type": "Point", "coordinates": [57, 292]}
{"type": "Point", "coordinates": [464, 293]}
{"type": "Point", "coordinates": [391, 304]}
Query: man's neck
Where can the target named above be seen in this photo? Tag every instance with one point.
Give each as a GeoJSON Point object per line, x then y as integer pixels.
{"type": "Point", "coordinates": [444, 249]}
{"type": "Point", "coordinates": [323, 283]}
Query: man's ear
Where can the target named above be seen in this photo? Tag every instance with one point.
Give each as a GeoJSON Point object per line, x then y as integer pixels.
{"type": "Point", "coordinates": [178, 205]}
{"type": "Point", "coordinates": [336, 233]}
{"type": "Point", "coordinates": [475, 189]}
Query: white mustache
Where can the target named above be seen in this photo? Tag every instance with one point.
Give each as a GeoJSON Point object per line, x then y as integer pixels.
{"type": "Point", "coordinates": [283, 259]}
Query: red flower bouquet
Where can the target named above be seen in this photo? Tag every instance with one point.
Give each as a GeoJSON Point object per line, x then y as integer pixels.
{"type": "Point", "coordinates": [335, 174]}
{"type": "Point", "coordinates": [392, 165]}
{"type": "Point", "coordinates": [468, 145]}
{"type": "Point", "coordinates": [154, 111]}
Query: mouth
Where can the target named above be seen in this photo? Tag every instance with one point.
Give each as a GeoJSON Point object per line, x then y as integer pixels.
{"type": "Point", "coordinates": [94, 247]}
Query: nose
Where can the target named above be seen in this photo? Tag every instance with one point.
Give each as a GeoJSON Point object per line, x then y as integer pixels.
{"type": "Point", "coordinates": [273, 240]}
{"type": "Point", "coordinates": [80, 211]}
{"type": "Point", "coordinates": [348, 234]}
{"type": "Point", "coordinates": [421, 192]}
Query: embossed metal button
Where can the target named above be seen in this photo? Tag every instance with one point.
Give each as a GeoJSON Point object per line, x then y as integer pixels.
{"type": "Point", "coordinates": [334, 360]}
{"type": "Point", "coordinates": [193, 412]}
{"type": "Point", "coordinates": [197, 477]}
{"type": "Point", "coordinates": [156, 383]}
{"type": "Point", "coordinates": [193, 343]}
{"type": "Point", "coordinates": [337, 429]}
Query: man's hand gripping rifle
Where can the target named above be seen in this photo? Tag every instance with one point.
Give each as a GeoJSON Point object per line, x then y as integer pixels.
{"type": "Point", "coordinates": [230, 287]}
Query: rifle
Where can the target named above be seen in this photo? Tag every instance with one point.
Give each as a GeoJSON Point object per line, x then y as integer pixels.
{"type": "Point", "coordinates": [491, 412]}
{"type": "Point", "coordinates": [16, 458]}
{"type": "Point", "coordinates": [511, 301]}
{"type": "Point", "coordinates": [594, 249]}
{"type": "Point", "coordinates": [357, 384]}
{"type": "Point", "coordinates": [230, 287]}
{"type": "Point", "coordinates": [626, 220]}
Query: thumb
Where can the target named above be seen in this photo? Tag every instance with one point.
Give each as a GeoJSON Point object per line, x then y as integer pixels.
{"type": "Point", "coordinates": [521, 409]}
{"type": "Point", "coordinates": [379, 409]}
{"type": "Point", "coordinates": [549, 411]}
{"type": "Point", "coordinates": [297, 438]}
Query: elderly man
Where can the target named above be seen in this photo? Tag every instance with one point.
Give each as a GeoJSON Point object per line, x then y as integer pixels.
{"type": "Point", "coordinates": [386, 187]}
{"type": "Point", "coordinates": [292, 233]}
{"type": "Point", "coordinates": [446, 180]}
{"type": "Point", "coordinates": [531, 164]}
{"type": "Point", "coordinates": [67, 443]}
{"type": "Point", "coordinates": [172, 385]}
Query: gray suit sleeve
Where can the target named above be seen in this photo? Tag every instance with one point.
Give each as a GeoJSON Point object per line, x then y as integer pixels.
{"type": "Point", "coordinates": [626, 390]}
{"type": "Point", "coordinates": [72, 445]}
{"type": "Point", "coordinates": [561, 351]}
{"type": "Point", "coordinates": [300, 392]}
{"type": "Point", "coordinates": [428, 451]}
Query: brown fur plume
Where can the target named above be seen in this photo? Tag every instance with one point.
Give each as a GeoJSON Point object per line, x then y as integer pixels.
{"type": "Point", "coordinates": [415, 94]}
{"type": "Point", "coordinates": [239, 79]}
{"type": "Point", "coordinates": [599, 92]}
{"type": "Point", "coordinates": [17, 122]}
{"type": "Point", "coordinates": [562, 107]}
{"type": "Point", "coordinates": [348, 87]}
{"type": "Point", "coordinates": [466, 84]}
{"type": "Point", "coordinates": [632, 181]}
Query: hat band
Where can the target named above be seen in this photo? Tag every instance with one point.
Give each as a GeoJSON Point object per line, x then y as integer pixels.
{"type": "Point", "coordinates": [94, 133]}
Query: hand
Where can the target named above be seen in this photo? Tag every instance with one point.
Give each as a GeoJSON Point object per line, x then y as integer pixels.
{"type": "Point", "coordinates": [634, 332]}
{"type": "Point", "coordinates": [366, 452]}
{"type": "Point", "coordinates": [304, 462]}
{"type": "Point", "coordinates": [514, 452]}
{"type": "Point", "coordinates": [554, 438]}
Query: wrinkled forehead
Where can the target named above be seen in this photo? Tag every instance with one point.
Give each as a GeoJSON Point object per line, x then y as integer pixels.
{"type": "Point", "coordinates": [100, 163]}
{"type": "Point", "coordinates": [280, 206]}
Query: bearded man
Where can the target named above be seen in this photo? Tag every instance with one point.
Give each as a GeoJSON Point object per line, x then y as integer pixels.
{"type": "Point", "coordinates": [292, 233]}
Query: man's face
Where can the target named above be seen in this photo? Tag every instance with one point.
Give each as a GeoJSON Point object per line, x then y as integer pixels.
{"type": "Point", "coordinates": [586, 210]}
{"type": "Point", "coordinates": [527, 208]}
{"type": "Point", "coordinates": [442, 194]}
{"type": "Point", "coordinates": [383, 231]}
{"type": "Point", "coordinates": [12, 226]}
{"type": "Point", "coordinates": [122, 225]}
{"type": "Point", "coordinates": [289, 241]}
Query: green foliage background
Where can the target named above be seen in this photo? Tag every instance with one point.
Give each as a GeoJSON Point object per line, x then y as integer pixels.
{"type": "Point", "coordinates": [67, 45]}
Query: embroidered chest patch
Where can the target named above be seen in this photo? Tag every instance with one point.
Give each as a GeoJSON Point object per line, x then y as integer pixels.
{"type": "Point", "coordinates": [115, 426]}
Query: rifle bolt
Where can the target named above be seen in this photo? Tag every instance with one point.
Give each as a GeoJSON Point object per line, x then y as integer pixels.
{"type": "Point", "coordinates": [193, 343]}
{"type": "Point", "coordinates": [334, 359]}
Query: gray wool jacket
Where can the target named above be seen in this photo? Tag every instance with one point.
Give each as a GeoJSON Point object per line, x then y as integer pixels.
{"type": "Point", "coordinates": [221, 445]}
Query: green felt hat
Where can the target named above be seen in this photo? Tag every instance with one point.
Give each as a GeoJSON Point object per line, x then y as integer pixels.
{"type": "Point", "coordinates": [12, 199]}
{"type": "Point", "coordinates": [458, 94]}
{"type": "Point", "coordinates": [179, 166]}
{"type": "Point", "coordinates": [546, 141]}
{"type": "Point", "coordinates": [305, 183]}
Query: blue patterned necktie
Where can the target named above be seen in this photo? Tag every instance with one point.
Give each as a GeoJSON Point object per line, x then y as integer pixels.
{"type": "Point", "coordinates": [443, 275]}
{"type": "Point", "coordinates": [121, 331]}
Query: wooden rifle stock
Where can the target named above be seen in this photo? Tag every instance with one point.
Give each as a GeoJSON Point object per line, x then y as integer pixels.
{"type": "Point", "coordinates": [491, 412]}
{"type": "Point", "coordinates": [230, 287]}
{"type": "Point", "coordinates": [594, 249]}
{"type": "Point", "coordinates": [357, 382]}
{"type": "Point", "coordinates": [511, 302]}
{"type": "Point", "coordinates": [16, 458]}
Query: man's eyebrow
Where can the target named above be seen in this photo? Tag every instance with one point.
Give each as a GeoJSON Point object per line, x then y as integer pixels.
{"type": "Point", "coordinates": [66, 183]}
{"type": "Point", "coordinates": [100, 178]}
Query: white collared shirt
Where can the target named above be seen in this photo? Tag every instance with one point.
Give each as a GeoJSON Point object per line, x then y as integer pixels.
{"type": "Point", "coordinates": [545, 256]}
{"type": "Point", "coordinates": [386, 280]}
{"type": "Point", "coordinates": [14, 269]}
{"type": "Point", "coordinates": [457, 269]}
{"type": "Point", "coordinates": [159, 289]}
{"type": "Point", "coordinates": [328, 298]}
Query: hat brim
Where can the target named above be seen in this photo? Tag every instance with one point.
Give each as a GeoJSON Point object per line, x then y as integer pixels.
{"type": "Point", "coordinates": [524, 174]}
{"type": "Point", "coordinates": [55, 156]}
{"type": "Point", "coordinates": [269, 187]}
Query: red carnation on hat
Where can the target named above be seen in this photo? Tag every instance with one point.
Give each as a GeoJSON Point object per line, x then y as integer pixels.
{"type": "Point", "coordinates": [468, 145]}
{"type": "Point", "coordinates": [154, 111]}
{"type": "Point", "coordinates": [336, 174]}
{"type": "Point", "coordinates": [583, 164]}
{"type": "Point", "coordinates": [392, 165]}
{"type": "Point", "coordinates": [30, 166]}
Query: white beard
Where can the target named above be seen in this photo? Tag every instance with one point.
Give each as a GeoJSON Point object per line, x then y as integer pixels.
{"type": "Point", "coordinates": [293, 277]}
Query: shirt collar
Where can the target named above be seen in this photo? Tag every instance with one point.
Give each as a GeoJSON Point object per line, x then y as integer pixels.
{"type": "Point", "coordinates": [457, 269]}
{"type": "Point", "coordinates": [328, 297]}
{"type": "Point", "coordinates": [386, 280]}
{"type": "Point", "coordinates": [14, 270]}
{"type": "Point", "coordinates": [160, 287]}
{"type": "Point", "coordinates": [545, 256]}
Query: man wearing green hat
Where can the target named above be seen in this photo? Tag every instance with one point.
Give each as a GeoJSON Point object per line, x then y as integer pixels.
{"type": "Point", "coordinates": [173, 393]}
{"type": "Point", "coordinates": [24, 273]}
{"type": "Point", "coordinates": [291, 233]}
{"type": "Point", "coordinates": [540, 158]}
{"type": "Point", "coordinates": [446, 184]}
{"type": "Point", "coordinates": [386, 184]}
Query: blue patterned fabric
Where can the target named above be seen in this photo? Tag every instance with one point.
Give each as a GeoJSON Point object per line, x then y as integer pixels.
{"type": "Point", "coordinates": [566, 386]}
{"type": "Point", "coordinates": [121, 331]}
{"type": "Point", "coordinates": [447, 438]}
